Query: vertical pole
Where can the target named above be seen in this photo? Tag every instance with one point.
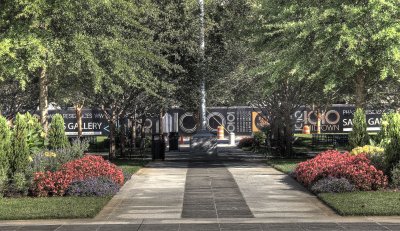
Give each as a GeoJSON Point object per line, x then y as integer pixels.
{"type": "Point", "coordinates": [203, 81]}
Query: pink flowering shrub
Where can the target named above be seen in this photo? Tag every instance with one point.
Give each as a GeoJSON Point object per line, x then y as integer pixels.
{"type": "Point", "coordinates": [357, 169]}
{"type": "Point", "coordinates": [56, 183]}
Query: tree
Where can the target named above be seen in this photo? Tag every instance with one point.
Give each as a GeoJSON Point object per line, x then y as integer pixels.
{"type": "Point", "coordinates": [56, 134]}
{"type": "Point", "coordinates": [14, 99]}
{"type": "Point", "coordinates": [27, 46]}
{"type": "Point", "coordinates": [341, 43]}
{"type": "Point", "coordinates": [359, 137]}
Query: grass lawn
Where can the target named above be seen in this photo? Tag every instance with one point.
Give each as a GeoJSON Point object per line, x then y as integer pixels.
{"type": "Point", "coordinates": [284, 165]}
{"type": "Point", "coordinates": [364, 203]}
{"type": "Point", "coordinates": [51, 207]}
{"type": "Point", "coordinates": [130, 166]}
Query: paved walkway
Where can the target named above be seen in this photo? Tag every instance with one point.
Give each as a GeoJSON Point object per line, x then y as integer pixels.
{"type": "Point", "coordinates": [231, 191]}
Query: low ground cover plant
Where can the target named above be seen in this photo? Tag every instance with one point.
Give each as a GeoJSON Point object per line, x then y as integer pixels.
{"type": "Point", "coordinates": [93, 186]}
{"type": "Point", "coordinates": [333, 185]}
{"type": "Point", "coordinates": [356, 169]}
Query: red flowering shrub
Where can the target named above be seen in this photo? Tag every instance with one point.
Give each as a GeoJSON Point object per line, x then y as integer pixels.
{"type": "Point", "coordinates": [55, 183]}
{"type": "Point", "coordinates": [356, 169]}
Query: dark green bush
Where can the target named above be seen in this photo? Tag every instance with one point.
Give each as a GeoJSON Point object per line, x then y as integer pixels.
{"type": "Point", "coordinates": [57, 137]}
{"type": "Point", "coordinates": [35, 135]}
{"type": "Point", "coordinates": [20, 150]}
{"type": "Point", "coordinates": [395, 175]}
{"type": "Point", "coordinates": [259, 138]}
{"type": "Point", "coordinates": [5, 146]}
{"type": "Point", "coordinates": [358, 137]}
{"type": "Point", "coordinates": [392, 148]}
{"type": "Point", "coordinates": [19, 185]}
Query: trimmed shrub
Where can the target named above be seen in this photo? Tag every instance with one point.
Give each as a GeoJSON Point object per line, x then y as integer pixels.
{"type": "Point", "coordinates": [94, 186]}
{"type": "Point", "coordinates": [392, 149]}
{"type": "Point", "coordinates": [35, 134]}
{"type": "Point", "coordinates": [246, 142]}
{"type": "Point", "coordinates": [3, 181]}
{"type": "Point", "coordinates": [382, 137]}
{"type": "Point", "coordinates": [19, 184]}
{"type": "Point", "coordinates": [359, 135]}
{"type": "Point", "coordinates": [56, 135]}
{"type": "Point", "coordinates": [56, 183]}
{"type": "Point", "coordinates": [45, 161]}
{"type": "Point", "coordinates": [259, 138]}
{"type": "Point", "coordinates": [395, 175]}
{"type": "Point", "coordinates": [356, 169]}
{"type": "Point", "coordinates": [20, 150]}
{"type": "Point", "coordinates": [71, 152]}
{"type": "Point", "coordinates": [5, 146]}
{"type": "Point", "coordinates": [368, 150]}
{"type": "Point", "coordinates": [333, 185]}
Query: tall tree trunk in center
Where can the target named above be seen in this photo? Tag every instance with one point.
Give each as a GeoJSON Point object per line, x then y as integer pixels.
{"type": "Point", "coordinates": [203, 81]}
{"type": "Point", "coordinates": [43, 95]}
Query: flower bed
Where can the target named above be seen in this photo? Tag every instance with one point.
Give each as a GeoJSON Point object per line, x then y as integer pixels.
{"type": "Point", "coordinates": [356, 169]}
{"type": "Point", "coordinates": [56, 183]}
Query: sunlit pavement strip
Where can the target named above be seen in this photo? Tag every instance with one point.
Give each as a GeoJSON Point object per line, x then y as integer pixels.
{"type": "Point", "coordinates": [154, 199]}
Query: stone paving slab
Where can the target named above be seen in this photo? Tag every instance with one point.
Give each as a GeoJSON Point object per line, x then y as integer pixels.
{"type": "Point", "coordinates": [270, 193]}
{"type": "Point", "coordinates": [211, 191]}
{"type": "Point", "coordinates": [156, 191]}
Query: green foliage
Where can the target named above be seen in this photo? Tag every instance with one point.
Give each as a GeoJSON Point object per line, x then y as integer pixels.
{"type": "Point", "coordinates": [74, 151]}
{"type": "Point", "coordinates": [3, 181]}
{"type": "Point", "coordinates": [259, 138]}
{"type": "Point", "coordinates": [359, 135]}
{"type": "Point", "coordinates": [36, 135]}
{"type": "Point", "coordinates": [392, 149]}
{"type": "Point", "coordinates": [20, 153]}
{"type": "Point", "coordinates": [5, 145]}
{"type": "Point", "coordinates": [367, 149]}
{"type": "Point", "coordinates": [19, 184]}
{"type": "Point", "coordinates": [44, 161]}
{"type": "Point", "coordinates": [382, 137]}
{"type": "Point", "coordinates": [330, 43]}
{"type": "Point", "coordinates": [374, 154]}
{"type": "Point", "coordinates": [395, 175]}
{"type": "Point", "coordinates": [56, 134]}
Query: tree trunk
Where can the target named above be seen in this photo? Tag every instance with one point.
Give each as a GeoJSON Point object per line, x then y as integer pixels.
{"type": "Point", "coordinates": [43, 99]}
{"type": "Point", "coordinates": [133, 136]}
{"type": "Point", "coordinates": [143, 132]}
{"type": "Point", "coordinates": [122, 134]}
{"type": "Point", "coordinates": [360, 90]}
{"type": "Point", "coordinates": [161, 123]}
{"type": "Point", "coordinates": [319, 116]}
{"type": "Point", "coordinates": [112, 121]}
{"type": "Point", "coordinates": [288, 134]}
{"type": "Point", "coordinates": [78, 112]}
